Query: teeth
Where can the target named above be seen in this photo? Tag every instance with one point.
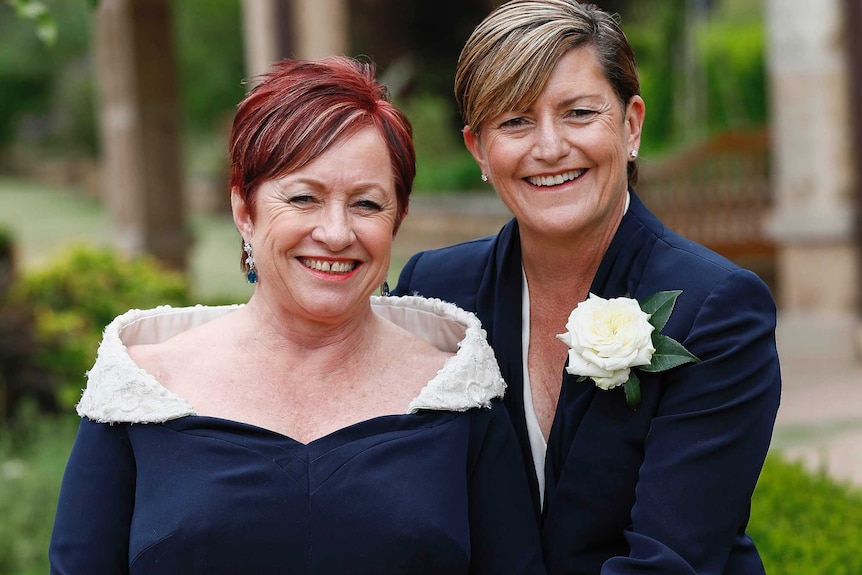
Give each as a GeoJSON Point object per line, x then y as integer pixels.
{"type": "Point", "coordinates": [329, 267]}
{"type": "Point", "coordinates": [554, 180]}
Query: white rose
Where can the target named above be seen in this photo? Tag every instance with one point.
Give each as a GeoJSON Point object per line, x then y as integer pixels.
{"type": "Point", "coordinates": [607, 338]}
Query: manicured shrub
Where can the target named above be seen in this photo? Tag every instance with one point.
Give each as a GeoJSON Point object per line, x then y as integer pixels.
{"type": "Point", "coordinates": [804, 523]}
{"type": "Point", "coordinates": [76, 295]}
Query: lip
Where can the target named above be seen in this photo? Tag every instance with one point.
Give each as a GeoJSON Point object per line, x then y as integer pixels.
{"type": "Point", "coordinates": [557, 179]}
{"type": "Point", "coordinates": [330, 268]}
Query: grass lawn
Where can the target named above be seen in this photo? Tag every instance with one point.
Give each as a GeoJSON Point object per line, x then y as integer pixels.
{"type": "Point", "coordinates": [44, 220]}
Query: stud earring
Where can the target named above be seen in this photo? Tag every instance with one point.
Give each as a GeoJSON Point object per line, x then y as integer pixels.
{"type": "Point", "coordinates": [384, 288]}
{"type": "Point", "coordinates": [484, 177]}
{"type": "Point", "coordinates": [251, 273]}
{"type": "Point", "coordinates": [633, 154]}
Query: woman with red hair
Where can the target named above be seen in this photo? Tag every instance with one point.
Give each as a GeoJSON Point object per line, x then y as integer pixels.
{"type": "Point", "coordinates": [316, 428]}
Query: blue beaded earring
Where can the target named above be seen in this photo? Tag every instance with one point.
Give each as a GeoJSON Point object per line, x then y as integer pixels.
{"type": "Point", "coordinates": [384, 288]}
{"type": "Point", "coordinates": [251, 274]}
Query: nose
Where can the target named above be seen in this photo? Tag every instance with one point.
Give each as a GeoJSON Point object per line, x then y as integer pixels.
{"type": "Point", "coordinates": [334, 229]}
{"type": "Point", "coordinates": [550, 142]}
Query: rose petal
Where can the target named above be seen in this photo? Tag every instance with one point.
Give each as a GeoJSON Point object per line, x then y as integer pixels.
{"type": "Point", "coordinates": [577, 366]}
{"type": "Point", "coordinates": [617, 379]}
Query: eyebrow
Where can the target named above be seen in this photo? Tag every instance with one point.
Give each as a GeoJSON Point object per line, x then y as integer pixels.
{"type": "Point", "coordinates": [569, 101]}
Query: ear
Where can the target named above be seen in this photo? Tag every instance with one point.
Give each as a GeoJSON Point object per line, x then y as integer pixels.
{"type": "Point", "coordinates": [241, 215]}
{"type": "Point", "coordinates": [634, 120]}
{"type": "Point", "coordinates": [471, 140]}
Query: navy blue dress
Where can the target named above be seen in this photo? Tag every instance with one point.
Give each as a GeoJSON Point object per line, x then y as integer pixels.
{"type": "Point", "coordinates": [665, 488]}
{"type": "Point", "coordinates": [433, 492]}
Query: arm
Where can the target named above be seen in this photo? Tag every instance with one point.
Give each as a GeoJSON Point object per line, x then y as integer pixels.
{"type": "Point", "coordinates": [91, 528]}
{"type": "Point", "coordinates": [708, 440]}
{"type": "Point", "coordinates": [504, 532]}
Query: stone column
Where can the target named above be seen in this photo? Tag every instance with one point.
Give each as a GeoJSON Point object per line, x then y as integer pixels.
{"type": "Point", "coordinates": [320, 28]}
{"type": "Point", "coordinates": [813, 178]}
{"type": "Point", "coordinates": [260, 35]}
{"type": "Point", "coordinates": [141, 150]}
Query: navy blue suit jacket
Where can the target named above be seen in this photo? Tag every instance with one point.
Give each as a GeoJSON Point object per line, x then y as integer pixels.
{"type": "Point", "coordinates": [664, 488]}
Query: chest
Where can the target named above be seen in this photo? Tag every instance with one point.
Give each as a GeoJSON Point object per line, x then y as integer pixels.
{"type": "Point", "coordinates": [219, 497]}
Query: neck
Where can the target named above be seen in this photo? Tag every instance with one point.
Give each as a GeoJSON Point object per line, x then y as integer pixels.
{"type": "Point", "coordinates": [293, 338]}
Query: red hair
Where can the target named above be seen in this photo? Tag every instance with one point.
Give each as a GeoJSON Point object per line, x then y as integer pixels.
{"type": "Point", "coordinates": [300, 108]}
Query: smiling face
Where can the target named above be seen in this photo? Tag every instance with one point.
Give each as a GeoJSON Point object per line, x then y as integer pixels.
{"type": "Point", "coordinates": [560, 165]}
{"type": "Point", "coordinates": [322, 235]}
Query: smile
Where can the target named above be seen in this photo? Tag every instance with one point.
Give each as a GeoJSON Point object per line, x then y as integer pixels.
{"type": "Point", "coordinates": [330, 267]}
{"type": "Point", "coordinates": [555, 180]}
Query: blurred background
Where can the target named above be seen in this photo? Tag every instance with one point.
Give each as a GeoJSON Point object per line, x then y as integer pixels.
{"type": "Point", "coordinates": [114, 117]}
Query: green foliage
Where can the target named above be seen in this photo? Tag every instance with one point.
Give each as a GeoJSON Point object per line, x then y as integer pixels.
{"type": "Point", "coordinates": [46, 28]}
{"type": "Point", "coordinates": [74, 297]}
{"type": "Point", "coordinates": [33, 75]}
{"type": "Point", "coordinates": [806, 523]}
{"type": "Point", "coordinates": [31, 469]}
{"type": "Point", "coordinates": [701, 78]}
{"type": "Point", "coordinates": [736, 74]}
{"type": "Point", "coordinates": [210, 61]}
{"type": "Point", "coordinates": [442, 162]}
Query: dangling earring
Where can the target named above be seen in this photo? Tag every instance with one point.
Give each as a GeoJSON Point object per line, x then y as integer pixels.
{"type": "Point", "coordinates": [384, 288]}
{"type": "Point", "coordinates": [484, 177]}
{"type": "Point", "coordinates": [251, 274]}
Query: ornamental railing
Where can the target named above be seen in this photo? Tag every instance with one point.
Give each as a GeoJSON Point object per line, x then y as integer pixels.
{"type": "Point", "coordinates": [717, 194]}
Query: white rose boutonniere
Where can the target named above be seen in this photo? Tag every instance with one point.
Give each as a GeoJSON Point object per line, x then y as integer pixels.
{"type": "Point", "coordinates": [609, 337]}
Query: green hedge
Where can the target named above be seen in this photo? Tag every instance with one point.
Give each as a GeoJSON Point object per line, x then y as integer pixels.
{"type": "Point", "coordinates": [806, 524]}
{"type": "Point", "coordinates": [76, 295]}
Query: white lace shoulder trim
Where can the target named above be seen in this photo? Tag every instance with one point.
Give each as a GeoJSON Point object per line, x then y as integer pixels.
{"type": "Point", "coordinates": [471, 378]}
{"type": "Point", "coordinates": [118, 391]}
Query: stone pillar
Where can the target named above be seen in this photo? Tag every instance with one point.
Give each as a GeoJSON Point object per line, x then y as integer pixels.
{"type": "Point", "coordinates": [308, 29]}
{"type": "Point", "coordinates": [320, 28]}
{"type": "Point", "coordinates": [261, 35]}
{"type": "Point", "coordinates": [813, 178]}
{"type": "Point", "coordinates": [141, 150]}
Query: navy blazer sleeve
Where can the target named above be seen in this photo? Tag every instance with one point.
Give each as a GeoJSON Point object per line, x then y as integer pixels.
{"type": "Point", "coordinates": [97, 497]}
{"type": "Point", "coordinates": [707, 441]}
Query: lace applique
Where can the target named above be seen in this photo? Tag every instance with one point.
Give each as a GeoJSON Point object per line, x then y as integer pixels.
{"type": "Point", "coordinates": [120, 391]}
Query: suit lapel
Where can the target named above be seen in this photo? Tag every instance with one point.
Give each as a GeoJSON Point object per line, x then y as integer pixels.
{"type": "Point", "coordinates": [499, 308]}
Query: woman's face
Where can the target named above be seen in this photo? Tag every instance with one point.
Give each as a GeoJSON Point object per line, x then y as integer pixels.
{"type": "Point", "coordinates": [560, 165]}
{"type": "Point", "coordinates": [322, 235]}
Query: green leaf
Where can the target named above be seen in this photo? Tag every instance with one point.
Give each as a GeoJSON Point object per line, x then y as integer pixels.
{"type": "Point", "coordinates": [660, 306]}
{"type": "Point", "coordinates": [38, 12]}
{"type": "Point", "coordinates": [633, 390]}
{"type": "Point", "coordinates": [669, 353]}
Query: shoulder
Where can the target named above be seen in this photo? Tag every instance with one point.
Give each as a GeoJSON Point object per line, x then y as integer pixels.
{"type": "Point", "coordinates": [471, 377]}
{"type": "Point", "coordinates": [439, 272]}
{"type": "Point", "coordinates": [118, 389]}
{"type": "Point", "coordinates": [673, 262]}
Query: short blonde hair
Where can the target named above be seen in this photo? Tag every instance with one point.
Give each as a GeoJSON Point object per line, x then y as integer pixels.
{"type": "Point", "coordinates": [509, 57]}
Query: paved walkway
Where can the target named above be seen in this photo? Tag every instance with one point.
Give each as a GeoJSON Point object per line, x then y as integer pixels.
{"type": "Point", "coordinates": [820, 418]}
